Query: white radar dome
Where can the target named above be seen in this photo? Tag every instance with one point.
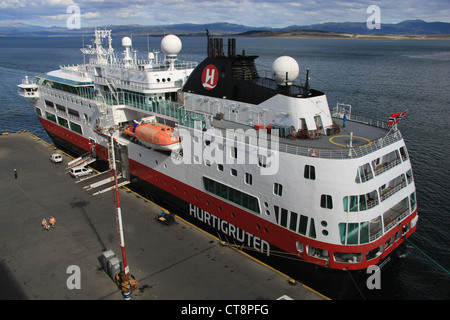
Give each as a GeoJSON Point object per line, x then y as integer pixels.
{"type": "Point", "coordinates": [285, 70]}
{"type": "Point", "coordinates": [126, 42]}
{"type": "Point", "coordinates": [171, 45]}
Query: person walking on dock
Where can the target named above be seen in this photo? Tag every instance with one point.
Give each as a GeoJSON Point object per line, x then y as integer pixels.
{"type": "Point", "coordinates": [44, 224]}
{"type": "Point", "coordinates": [52, 222]}
{"type": "Point", "coordinates": [15, 173]}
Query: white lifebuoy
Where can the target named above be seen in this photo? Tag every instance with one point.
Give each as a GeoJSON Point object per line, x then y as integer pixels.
{"type": "Point", "coordinates": [313, 153]}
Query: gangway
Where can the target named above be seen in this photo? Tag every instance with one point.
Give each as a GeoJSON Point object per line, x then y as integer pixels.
{"type": "Point", "coordinates": [83, 161]}
{"type": "Point", "coordinates": [101, 182]}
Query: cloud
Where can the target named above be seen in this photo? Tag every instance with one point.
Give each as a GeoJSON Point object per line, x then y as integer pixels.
{"type": "Point", "coordinates": [256, 13]}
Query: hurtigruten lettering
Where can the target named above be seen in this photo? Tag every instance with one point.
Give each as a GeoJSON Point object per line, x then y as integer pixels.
{"type": "Point", "coordinates": [231, 230]}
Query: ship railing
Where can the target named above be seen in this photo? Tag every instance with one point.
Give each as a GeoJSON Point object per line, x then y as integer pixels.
{"type": "Point", "coordinates": [386, 193]}
{"type": "Point", "coordinates": [386, 166]}
{"type": "Point", "coordinates": [342, 109]}
{"type": "Point", "coordinates": [147, 65]}
{"type": "Point", "coordinates": [340, 153]}
{"type": "Point", "coordinates": [85, 97]}
{"type": "Point", "coordinates": [28, 81]}
{"type": "Point", "coordinates": [141, 86]}
{"type": "Point", "coordinates": [308, 151]}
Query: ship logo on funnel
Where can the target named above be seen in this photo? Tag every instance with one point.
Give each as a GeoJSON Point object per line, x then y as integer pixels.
{"type": "Point", "coordinates": [210, 77]}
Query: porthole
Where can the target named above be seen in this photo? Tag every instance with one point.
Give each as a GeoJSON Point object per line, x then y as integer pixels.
{"type": "Point", "coordinates": [324, 223]}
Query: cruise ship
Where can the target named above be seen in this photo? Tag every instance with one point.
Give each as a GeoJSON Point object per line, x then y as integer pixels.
{"type": "Point", "coordinates": [263, 162]}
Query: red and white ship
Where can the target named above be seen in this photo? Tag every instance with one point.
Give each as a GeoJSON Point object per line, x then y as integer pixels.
{"type": "Point", "coordinates": [263, 161]}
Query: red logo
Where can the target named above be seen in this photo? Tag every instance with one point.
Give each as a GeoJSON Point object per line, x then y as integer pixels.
{"type": "Point", "coordinates": [210, 77]}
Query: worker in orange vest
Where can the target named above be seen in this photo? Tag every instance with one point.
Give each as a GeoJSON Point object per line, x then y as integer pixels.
{"type": "Point", "coordinates": [52, 221]}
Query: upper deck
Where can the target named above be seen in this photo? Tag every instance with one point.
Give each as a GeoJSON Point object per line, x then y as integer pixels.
{"type": "Point", "coordinates": [359, 137]}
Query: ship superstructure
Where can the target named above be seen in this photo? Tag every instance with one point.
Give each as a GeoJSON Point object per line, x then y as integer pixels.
{"type": "Point", "coordinates": [263, 161]}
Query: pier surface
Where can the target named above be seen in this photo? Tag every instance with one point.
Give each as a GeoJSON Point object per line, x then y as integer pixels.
{"type": "Point", "coordinates": [177, 262]}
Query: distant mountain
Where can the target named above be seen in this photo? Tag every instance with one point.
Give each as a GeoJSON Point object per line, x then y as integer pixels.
{"type": "Point", "coordinates": [418, 27]}
{"type": "Point", "coordinates": [408, 27]}
{"type": "Point", "coordinates": [180, 29]}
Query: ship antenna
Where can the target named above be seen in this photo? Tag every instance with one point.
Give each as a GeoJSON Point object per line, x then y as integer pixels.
{"type": "Point", "coordinates": [207, 38]}
{"type": "Point", "coordinates": [307, 80]}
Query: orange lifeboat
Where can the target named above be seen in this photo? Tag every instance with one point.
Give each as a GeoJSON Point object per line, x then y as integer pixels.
{"type": "Point", "coordinates": [154, 135]}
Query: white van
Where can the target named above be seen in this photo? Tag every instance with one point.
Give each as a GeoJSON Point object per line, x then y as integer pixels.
{"type": "Point", "coordinates": [80, 171]}
{"type": "Point", "coordinates": [56, 158]}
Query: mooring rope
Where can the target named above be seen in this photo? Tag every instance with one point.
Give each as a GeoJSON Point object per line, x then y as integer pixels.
{"type": "Point", "coordinates": [428, 256]}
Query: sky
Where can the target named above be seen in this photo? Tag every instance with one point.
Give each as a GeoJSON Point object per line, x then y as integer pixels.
{"type": "Point", "coordinates": [254, 13]}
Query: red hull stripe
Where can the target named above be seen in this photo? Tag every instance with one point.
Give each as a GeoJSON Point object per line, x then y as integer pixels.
{"type": "Point", "coordinates": [73, 138]}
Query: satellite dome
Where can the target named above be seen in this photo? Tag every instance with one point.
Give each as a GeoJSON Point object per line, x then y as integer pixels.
{"type": "Point", "coordinates": [171, 45]}
{"type": "Point", "coordinates": [126, 42]}
{"type": "Point", "coordinates": [285, 70]}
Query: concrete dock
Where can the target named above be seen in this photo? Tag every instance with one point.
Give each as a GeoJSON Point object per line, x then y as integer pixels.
{"type": "Point", "coordinates": [177, 262]}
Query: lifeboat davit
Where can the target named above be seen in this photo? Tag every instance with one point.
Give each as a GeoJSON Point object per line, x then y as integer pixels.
{"type": "Point", "coordinates": [154, 135]}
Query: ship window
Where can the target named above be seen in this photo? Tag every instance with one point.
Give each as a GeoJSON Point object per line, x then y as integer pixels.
{"type": "Point", "coordinates": [343, 232]}
{"type": "Point", "coordinates": [49, 104]}
{"type": "Point", "coordinates": [409, 176]}
{"type": "Point", "coordinates": [277, 189]}
{"type": "Point", "coordinates": [310, 172]}
{"type": "Point", "coordinates": [262, 161]}
{"type": "Point", "coordinates": [236, 196]}
{"type": "Point", "coordinates": [361, 202]}
{"type": "Point", "coordinates": [372, 254]}
{"type": "Point", "coordinates": [234, 172]}
{"type": "Point", "coordinates": [412, 201]}
{"type": "Point", "coordinates": [312, 229]}
{"type": "Point", "coordinates": [403, 153]}
{"type": "Point", "coordinates": [234, 152]}
{"type": "Point", "coordinates": [50, 116]}
{"type": "Point", "coordinates": [363, 173]}
{"type": "Point", "coordinates": [303, 224]}
{"type": "Point", "coordinates": [63, 122]}
{"type": "Point", "coordinates": [284, 216]}
{"type": "Point", "coordinates": [39, 112]}
{"type": "Point", "coordinates": [248, 178]}
{"type": "Point", "coordinates": [220, 167]}
{"type": "Point", "coordinates": [73, 112]}
{"type": "Point", "coordinates": [364, 232]}
{"type": "Point", "coordinates": [352, 234]}
{"type": "Point", "coordinates": [293, 221]}
{"type": "Point", "coordinates": [326, 201]}
{"type": "Point", "coordinates": [75, 127]}
{"type": "Point", "coordinates": [60, 107]}
{"type": "Point", "coordinates": [276, 209]}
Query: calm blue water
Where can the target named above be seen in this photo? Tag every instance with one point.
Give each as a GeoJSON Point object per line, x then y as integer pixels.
{"type": "Point", "coordinates": [377, 77]}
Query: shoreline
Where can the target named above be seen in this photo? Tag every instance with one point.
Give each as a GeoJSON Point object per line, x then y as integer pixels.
{"type": "Point", "coordinates": [306, 34]}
